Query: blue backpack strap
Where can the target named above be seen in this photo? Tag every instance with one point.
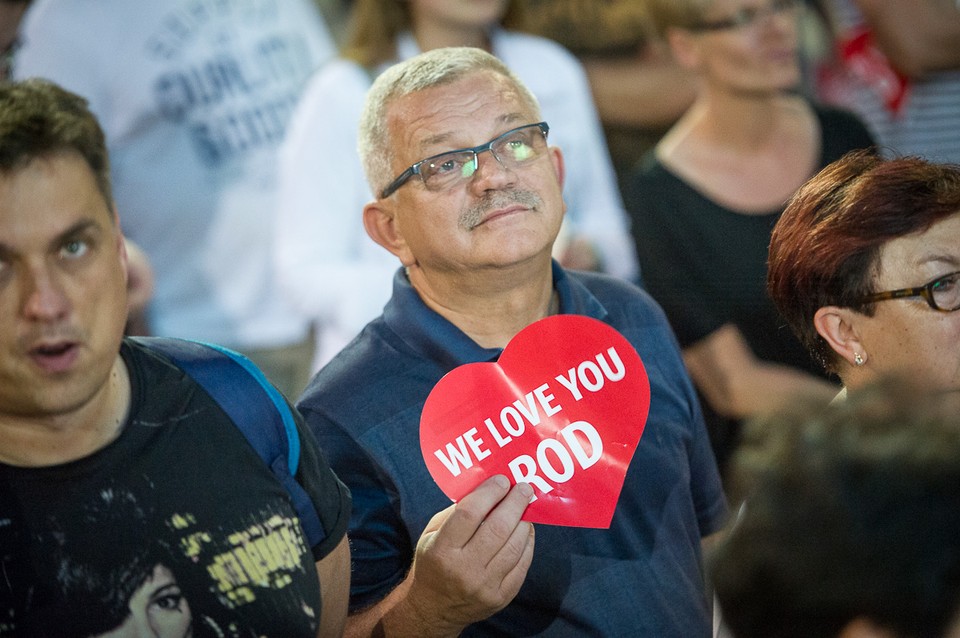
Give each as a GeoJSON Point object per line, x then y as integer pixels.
{"type": "Point", "coordinates": [238, 387]}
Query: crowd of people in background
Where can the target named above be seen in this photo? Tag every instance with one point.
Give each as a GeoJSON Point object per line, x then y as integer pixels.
{"type": "Point", "coordinates": [763, 196]}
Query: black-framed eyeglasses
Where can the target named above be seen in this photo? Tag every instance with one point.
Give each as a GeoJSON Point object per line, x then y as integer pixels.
{"type": "Point", "coordinates": [512, 149]}
{"type": "Point", "coordinates": [943, 293]}
{"type": "Point", "coordinates": [747, 16]}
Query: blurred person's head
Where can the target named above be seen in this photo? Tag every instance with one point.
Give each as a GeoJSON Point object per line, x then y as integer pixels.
{"type": "Point", "coordinates": [375, 24]}
{"type": "Point", "coordinates": [850, 523]}
{"type": "Point", "coordinates": [744, 47]}
{"type": "Point", "coordinates": [864, 268]}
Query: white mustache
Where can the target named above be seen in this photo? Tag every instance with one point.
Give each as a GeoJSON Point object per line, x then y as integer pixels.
{"type": "Point", "coordinates": [473, 216]}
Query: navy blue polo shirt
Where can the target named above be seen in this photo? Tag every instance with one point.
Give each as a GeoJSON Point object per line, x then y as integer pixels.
{"type": "Point", "coordinates": [640, 577]}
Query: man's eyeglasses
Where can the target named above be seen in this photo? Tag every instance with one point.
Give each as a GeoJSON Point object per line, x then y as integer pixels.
{"type": "Point", "coordinates": [747, 16]}
{"type": "Point", "coordinates": [514, 148]}
{"type": "Point", "coordinates": [943, 293]}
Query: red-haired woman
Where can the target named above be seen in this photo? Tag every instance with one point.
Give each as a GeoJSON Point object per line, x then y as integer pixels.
{"type": "Point", "coordinates": [865, 267]}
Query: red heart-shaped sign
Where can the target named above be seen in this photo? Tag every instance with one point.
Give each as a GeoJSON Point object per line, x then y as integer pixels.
{"type": "Point", "coordinates": [562, 409]}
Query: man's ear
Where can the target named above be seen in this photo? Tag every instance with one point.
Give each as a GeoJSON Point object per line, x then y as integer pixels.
{"type": "Point", "coordinates": [838, 327]}
{"type": "Point", "coordinates": [556, 157]}
{"type": "Point", "coordinates": [121, 245]}
{"type": "Point", "coordinates": [380, 222]}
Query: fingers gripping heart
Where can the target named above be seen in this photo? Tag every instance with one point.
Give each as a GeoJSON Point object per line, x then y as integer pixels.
{"type": "Point", "coordinates": [563, 410]}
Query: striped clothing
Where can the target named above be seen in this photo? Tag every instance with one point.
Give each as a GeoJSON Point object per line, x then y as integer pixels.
{"type": "Point", "coordinates": [927, 123]}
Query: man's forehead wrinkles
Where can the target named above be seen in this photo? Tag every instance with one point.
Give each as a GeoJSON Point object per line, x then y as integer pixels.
{"type": "Point", "coordinates": [503, 121]}
{"type": "Point", "coordinates": [433, 115]}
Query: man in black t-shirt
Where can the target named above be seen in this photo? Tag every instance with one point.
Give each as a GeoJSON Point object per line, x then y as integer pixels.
{"type": "Point", "coordinates": [130, 502]}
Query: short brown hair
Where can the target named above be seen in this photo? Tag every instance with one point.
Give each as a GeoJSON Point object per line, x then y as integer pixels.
{"type": "Point", "coordinates": [824, 250]}
{"type": "Point", "coordinates": [38, 118]}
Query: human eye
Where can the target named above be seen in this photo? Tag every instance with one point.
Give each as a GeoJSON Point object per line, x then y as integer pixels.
{"type": "Point", "coordinates": [518, 146]}
{"type": "Point", "coordinates": [946, 291]}
{"type": "Point", "coordinates": [947, 282]}
{"type": "Point", "coordinates": [74, 248]}
{"type": "Point", "coordinates": [447, 164]}
{"type": "Point", "coordinates": [168, 598]}
{"type": "Point", "coordinates": [445, 169]}
{"type": "Point", "coordinates": [168, 602]}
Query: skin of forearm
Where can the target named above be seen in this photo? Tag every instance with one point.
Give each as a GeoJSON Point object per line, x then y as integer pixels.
{"type": "Point", "coordinates": [739, 385]}
{"type": "Point", "coordinates": [398, 616]}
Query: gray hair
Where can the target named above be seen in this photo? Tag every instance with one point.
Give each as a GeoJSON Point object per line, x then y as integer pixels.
{"type": "Point", "coordinates": [424, 71]}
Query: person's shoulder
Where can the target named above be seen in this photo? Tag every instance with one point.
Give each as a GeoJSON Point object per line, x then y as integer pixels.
{"type": "Point", "coordinates": [649, 166]}
{"type": "Point", "coordinates": [341, 68]}
{"type": "Point", "coordinates": [159, 361]}
{"type": "Point", "coordinates": [837, 118]}
{"type": "Point", "coordinates": [364, 370]}
{"type": "Point", "coordinates": [619, 296]}
{"type": "Point", "coordinates": [137, 351]}
{"type": "Point", "coordinates": [603, 283]}
{"type": "Point", "coordinates": [375, 382]}
{"type": "Point", "coordinates": [336, 75]}
{"type": "Point", "coordinates": [835, 115]}
{"type": "Point", "coordinates": [647, 176]}
{"type": "Point", "coordinates": [841, 131]}
{"type": "Point", "coordinates": [159, 387]}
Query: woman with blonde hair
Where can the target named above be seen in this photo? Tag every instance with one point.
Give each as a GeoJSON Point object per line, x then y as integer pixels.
{"type": "Point", "coordinates": [705, 200]}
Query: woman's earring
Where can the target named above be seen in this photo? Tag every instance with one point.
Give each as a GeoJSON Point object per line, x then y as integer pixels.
{"type": "Point", "coordinates": [858, 359]}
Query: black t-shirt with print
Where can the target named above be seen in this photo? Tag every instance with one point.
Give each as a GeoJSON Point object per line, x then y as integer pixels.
{"type": "Point", "coordinates": [177, 524]}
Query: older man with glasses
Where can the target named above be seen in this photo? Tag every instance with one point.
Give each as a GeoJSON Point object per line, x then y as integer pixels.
{"type": "Point", "coordinates": [473, 232]}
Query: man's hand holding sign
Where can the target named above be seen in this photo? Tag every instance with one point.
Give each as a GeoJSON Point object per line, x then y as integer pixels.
{"type": "Point", "coordinates": [559, 411]}
{"type": "Point", "coordinates": [471, 560]}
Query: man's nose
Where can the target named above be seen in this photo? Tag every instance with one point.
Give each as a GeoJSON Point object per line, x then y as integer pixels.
{"type": "Point", "coordinates": [44, 296]}
{"type": "Point", "coordinates": [491, 172]}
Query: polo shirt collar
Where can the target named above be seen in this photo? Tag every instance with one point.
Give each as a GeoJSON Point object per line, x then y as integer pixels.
{"type": "Point", "coordinates": [435, 338]}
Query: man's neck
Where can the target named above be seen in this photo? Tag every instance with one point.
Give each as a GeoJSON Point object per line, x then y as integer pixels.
{"type": "Point", "coordinates": [54, 439]}
{"type": "Point", "coordinates": [489, 306]}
